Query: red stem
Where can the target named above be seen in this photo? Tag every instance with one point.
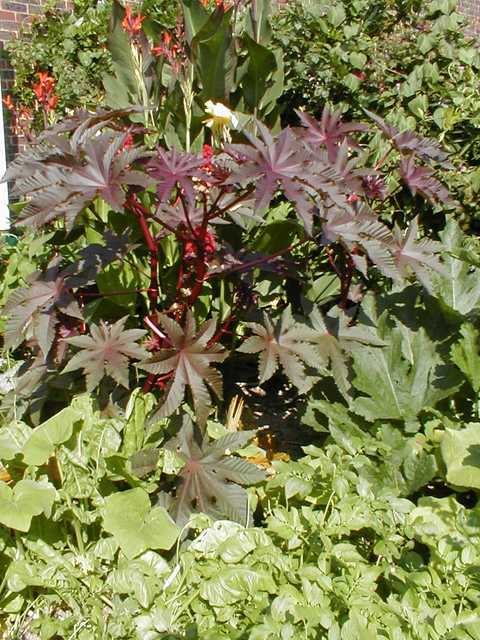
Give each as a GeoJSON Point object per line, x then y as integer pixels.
{"type": "Point", "coordinates": [380, 162]}
{"type": "Point", "coordinates": [138, 210]}
{"type": "Point", "coordinates": [222, 331]}
{"type": "Point", "coordinates": [253, 263]}
{"type": "Point", "coordinates": [201, 267]}
{"type": "Point", "coordinates": [110, 293]}
{"type": "Point", "coordinates": [332, 261]}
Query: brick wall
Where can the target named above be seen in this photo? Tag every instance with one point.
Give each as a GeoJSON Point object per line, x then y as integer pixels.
{"type": "Point", "coordinates": [471, 8]}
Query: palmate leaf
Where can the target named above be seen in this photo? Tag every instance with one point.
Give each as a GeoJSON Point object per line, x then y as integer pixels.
{"type": "Point", "coordinates": [420, 256]}
{"type": "Point", "coordinates": [420, 180]}
{"type": "Point", "coordinates": [38, 306]}
{"type": "Point", "coordinates": [69, 173]}
{"type": "Point", "coordinates": [106, 352]}
{"type": "Point", "coordinates": [400, 379]}
{"type": "Point", "coordinates": [288, 342]}
{"type": "Point", "coordinates": [412, 142]}
{"type": "Point", "coordinates": [210, 480]}
{"type": "Point", "coordinates": [189, 358]}
{"type": "Point", "coordinates": [336, 339]}
{"type": "Point", "coordinates": [458, 287]}
{"type": "Point", "coordinates": [329, 131]}
{"type": "Point", "coordinates": [272, 161]}
{"type": "Point", "coordinates": [361, 229]}
{"type": "Point", "coordinates": [169, 168]}
{"type": "Point", "coordinates": [465, 354]}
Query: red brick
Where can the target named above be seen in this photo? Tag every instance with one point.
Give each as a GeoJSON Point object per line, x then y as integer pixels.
{"type": "Point", "coordinates": [7, 15]}
{"type": "Point", "coordinates": [15, 6]}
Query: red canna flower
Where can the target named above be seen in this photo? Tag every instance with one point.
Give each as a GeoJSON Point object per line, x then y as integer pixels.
{"type": "Point", "coordinates": [131, 24]}
{"type": "Point", "coordinates": [8, 103]}
{"type": "Point", "coordinates": [44, 91]}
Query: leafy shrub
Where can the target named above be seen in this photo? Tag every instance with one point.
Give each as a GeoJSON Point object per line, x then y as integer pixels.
{"type": "Point", "coordinates": [72, 46]}
{"type": "Point", "coordinates": [409, 62]}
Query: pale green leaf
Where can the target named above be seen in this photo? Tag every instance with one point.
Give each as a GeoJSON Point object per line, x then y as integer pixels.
{"type": "Point", "coordinates": [461, 454]}
{"type": "Point", "coordinates": [135, 525]}
{"type": "Point", "coordinates": [465, 354]}
{"type": "Point", "coordinates": [43, 440]}
{"type": "Point", "coordinates": [25, 500]}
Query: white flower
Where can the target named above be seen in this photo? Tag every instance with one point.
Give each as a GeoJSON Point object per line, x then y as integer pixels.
{"type": "Point", "coordinates": [221, 115]}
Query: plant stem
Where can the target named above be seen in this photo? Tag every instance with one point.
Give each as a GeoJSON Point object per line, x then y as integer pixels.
{"type": "Point", "coordinates": [201, 267]}
{"type": "Point", "coordinates": [153, 249]}
{"type": "Point", "coordinates": [222, 331]}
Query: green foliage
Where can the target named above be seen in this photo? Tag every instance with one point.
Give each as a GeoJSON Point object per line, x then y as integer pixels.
{"type": "Point", "coordinates": [410, 62]}
{"type": "Point", "coordinates": [71, 46]}
{"type": "Point", "coordinates": [308, 248]}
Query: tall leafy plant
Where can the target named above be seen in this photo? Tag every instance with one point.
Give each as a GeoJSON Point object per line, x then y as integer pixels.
{"type": "Point", "coordinates": [176, 232]}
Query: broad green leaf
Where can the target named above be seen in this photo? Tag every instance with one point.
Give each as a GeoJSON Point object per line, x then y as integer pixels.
{"type": "Point", "coordinates": [461, 454]}
{"type": "Point", "coordinates": [215, 55]}
{"type": "Point", "coordinates": [138, 407]}
{"type": "Point", "coordinates": [435, 518]}
{"type": "Point", "coordinates": [135, 525]}
{"type": "Point", "coordinates": [261, 63]}
{"type": "Point", "coordinates": [358, 60]}
{"type": "Point", "coordinates": [12, 438]}
{"type": "Point", "coordinates": [399, 380]}
{"type": "Point", "coordinates": [119, 45]}
{"type": "Point", "coordinates": [195, 16]}
{"type": "Point", "coordinates": [465, 354]}
{"type": "Point", "coordinates": [273, 93]}
{"type": "Point", "coordinates": [235, 584]}
{"type": "Point", "coordinates": [42, 442]}
{"type": "Point", "coordinates": [419, 105]}
{"type": "Point", "coordinates": [25, 500]}
{"type": "Point", "coordinates": [257, 24]}
{"type": "Point", "coordinates": [336, 14]}
{"type": "Point", "coordinates": [459, 290]}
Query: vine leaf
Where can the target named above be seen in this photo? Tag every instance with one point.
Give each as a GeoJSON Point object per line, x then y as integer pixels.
{"type": "Point", "coordinates": [211, 478]}
{"type": "Point", "coordinates": [189, 358]}
{"type": "Point", "coordinates": [106, 352]}
{"type": "Point", "coordinates": [287, 342]}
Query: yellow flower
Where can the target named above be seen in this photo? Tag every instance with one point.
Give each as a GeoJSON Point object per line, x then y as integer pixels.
{"type": "Point", "coordinates": [221, 115]}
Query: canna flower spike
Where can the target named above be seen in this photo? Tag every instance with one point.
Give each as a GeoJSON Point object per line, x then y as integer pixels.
{"type": "Point", "coordinates": [44, 92]}
{"type": "Point", "coordinates": [131, 24]}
